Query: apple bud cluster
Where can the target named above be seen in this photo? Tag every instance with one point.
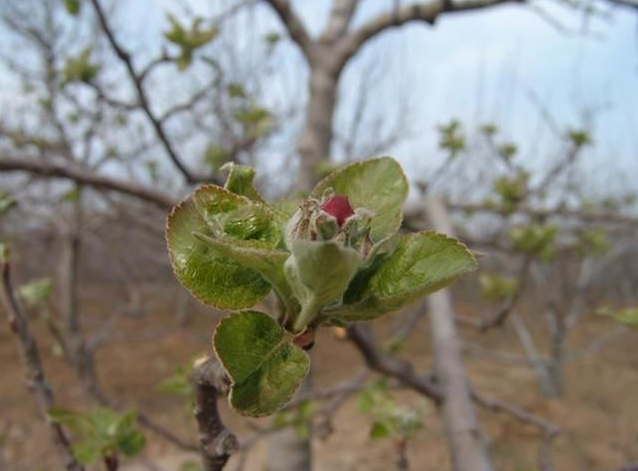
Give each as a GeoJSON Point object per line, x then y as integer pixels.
{"type": "Point", "coordinates": [332, 219]}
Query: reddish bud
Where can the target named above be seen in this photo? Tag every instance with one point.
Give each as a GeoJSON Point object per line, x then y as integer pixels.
{"type": "Point", "coordinates": [339, 207]}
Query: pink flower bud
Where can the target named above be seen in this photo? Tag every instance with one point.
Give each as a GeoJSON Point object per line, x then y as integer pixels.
{"type": "Point", "coordinates": [339, 207]}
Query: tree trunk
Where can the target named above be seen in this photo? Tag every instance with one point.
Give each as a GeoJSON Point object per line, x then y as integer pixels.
{"type": "Point", "coordinates": [79, 355]}
{"type": "Point", "coordinates": [464, 437]}
{"type": "Point", "coordinates": [287, 450]}
{"type": "Point", "coordinates": [316, 136]}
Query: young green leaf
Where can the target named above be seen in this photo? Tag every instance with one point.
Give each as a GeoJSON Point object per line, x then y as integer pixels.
{"type": "Point", "coordinates": [264, 366]}
{"type": "Point", "coordinates": [378, 185]}
{"type": "Point", "coordinates": [421, 264]}
{"type": "Point", "coordinates": [72, 6]}
{"type": "Point", "coordinates": [36, 292]}
{"type": "Point", "coordinates": [318, 272]}
{"type": "Point", "coordinates": [240, 181]}
{"type": "Point", "coordinates": [265, 261]}
{"type": "Point", "coordinates": [218, 213]}
{"type": "Point", "coordinates": [100, 433]}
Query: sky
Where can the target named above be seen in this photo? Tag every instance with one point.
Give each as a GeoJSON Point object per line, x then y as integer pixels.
{"type": "Point", "coordinates": [477, 67]}
{"type": "Point", "coordinates": [483, 67]}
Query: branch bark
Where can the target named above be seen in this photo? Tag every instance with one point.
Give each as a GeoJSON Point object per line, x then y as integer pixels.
{"type": "Point", "coordinates": [217, 443]}
{"type": "Point", "coordinates": [459, 417]}
{"type": "Point", "coordinates": [340, 18]}
{"type": "Point", "coordinates": [145, 105]}
{"type": "Point", "coordinates": [393, 367]}
{"type": "Point", "coordinates": [56, 170]}
{"type": "Point", "coordinates": [35, 377]}
{"type": "Point", "coordinates": [293, 25]}
{"type": "Point", "coordinates": [426, 12]}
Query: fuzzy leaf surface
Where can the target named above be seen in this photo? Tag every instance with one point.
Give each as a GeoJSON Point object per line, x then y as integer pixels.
{"type": "Point", "coordinates": [319, 272]}
{"type": "Point", "coordinates": [264, 366]}
{"type": "Point", "coordinates": [220, 214]}
{"type": "Point", "coordinates": [422, 263]}
{"type": "Point", "coordinates": [378, 185]}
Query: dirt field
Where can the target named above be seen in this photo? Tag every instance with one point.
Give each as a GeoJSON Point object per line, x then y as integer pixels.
{"type": "Point", "coordinates": [599, 412]}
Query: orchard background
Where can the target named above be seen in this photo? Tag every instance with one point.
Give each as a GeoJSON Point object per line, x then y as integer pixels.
{"type": "Point", "coordinates": [514, 124]}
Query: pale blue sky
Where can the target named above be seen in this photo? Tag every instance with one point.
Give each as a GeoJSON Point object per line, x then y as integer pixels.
{"type": "Point", "coordinates": [482, 67]}
{"type": "Point", "coordinates": [477, 67]}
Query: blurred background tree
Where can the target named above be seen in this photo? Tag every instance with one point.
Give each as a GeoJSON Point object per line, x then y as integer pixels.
{"type": "Point", "coordinates": [110, 115]}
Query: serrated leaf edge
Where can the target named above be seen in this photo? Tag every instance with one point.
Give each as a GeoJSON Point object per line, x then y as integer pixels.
{"type": "Point", "coordinates": [285, 338]}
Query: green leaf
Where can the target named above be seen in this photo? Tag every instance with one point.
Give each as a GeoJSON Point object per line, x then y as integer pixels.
{"type": "Point", "coordinates": [264, 366]}
{"type": "Point", "coordinates": [7, 203]}
{"type": "Point", "coordinates": [422, 263]}
{"type": "Point", "coordinates": [495, 287]}
{"type": "Point", "coordinates": [100, 432]}
{"type": "Point", "coordinates": [240, 181]}
{"type": "Point", "coordinates": [236, 90]}
{"type": "Point", "coordinates": [72, 6]}
{"type": "Point", "coordinates": [378, 185]}
{"type": "Point", "coordinates": [536, 239]}
{"type": "Point", "coordinates": [179, 383]}
{"type": "Point", "coordinates": [76, 421]}
{"type": "Point", "coordinates": [627, 316]}
{"type": "Point", "coordinates": [36, 292]}
{"type": "Point", "coordinates": [268, 263]}
{"type": "Point", "coordinates": [215, 156]}
{"type": "Point", "coordinates": [86, 453]}
{"type": "Point", "coordinates": [318, 272]}
{"type": "Point", "coordinates": [379, 430]}
{"type": "Point", "coordinates": [218, 213]}
{"type": "Point", "coordinates": [80, 68]}
{"type": "Point", "coordinates": [131, 442]}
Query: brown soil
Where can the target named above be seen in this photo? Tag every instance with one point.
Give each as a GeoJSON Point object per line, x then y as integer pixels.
{"type": "Point", "coordinates": [598, 412]}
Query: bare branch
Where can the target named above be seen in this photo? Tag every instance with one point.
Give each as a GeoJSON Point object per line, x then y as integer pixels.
{"type": "Point", "coordinates": [216, 442]}
{"type": "Point", "coordinates": [136, 79]}
{"type": "Point", "coordinates": [35, 377]}
{"type": "Point", "coordinates": [293, 25]}
{"type": "Point", "coordinates": [426, 12]}
{"type": "Point", "coordinates": [628, 467]}
{"type": "Point", "coordinates": [390, 366]}
{"type": "Point", "coordinates": [416, 211]}
{"type": "Point", "coordinates": [500, 316]}
{"type": "Point", "coordinates": [625, 3]}
{"type": "Point", "coordinates": [340, 17]}
{"type": "Point", "coordinates": [55, 170]}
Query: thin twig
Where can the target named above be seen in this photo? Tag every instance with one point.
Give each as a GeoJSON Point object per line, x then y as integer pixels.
{"type": "Point", "coordinates": [35, 377]}
{"type": "Point", "coordinates": [145, 105]}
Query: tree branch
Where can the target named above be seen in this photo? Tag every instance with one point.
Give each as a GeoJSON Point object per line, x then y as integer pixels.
{"type": "Point", "coordinates": [216, 442]}
{"type": "Point", "coordinates": [391, 366]}
{"type": "Point", "coordinates": [426, 12]}
{"type": "Point", "coordinates": [293, 25]}
{"type": "Point", "coordinates": [404, 372]}
{"type": "Point", "coordinates": [340, 18]}
{"type": "Point", "coordinates": [136, 78]}
{"type": "Point", "coordinates": [500, 316]}
{"type": "Point", "coordinates": [35, 377]}
{"type": "Point", "coordinates": [55, 170]}
{"type": "Point", "coordinates": [416, 211]}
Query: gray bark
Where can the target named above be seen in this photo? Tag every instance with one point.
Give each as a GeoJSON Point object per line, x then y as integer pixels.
{"type": "Point", "coordinates": [316, 136]}
{"type": "Point", "coordinates": [467, 450]}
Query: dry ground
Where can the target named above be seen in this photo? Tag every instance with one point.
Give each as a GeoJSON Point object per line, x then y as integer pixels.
{"type": "Point", "coordinates": [599, 411]}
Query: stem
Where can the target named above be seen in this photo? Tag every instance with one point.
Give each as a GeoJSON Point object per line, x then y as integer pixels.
{"type": "Point", "coordinates": [308, 313]}
{"type": "Point", "coordinates": [216, 441]}
{"type": "Point", "coordinates": [35, 377]}
{"type": "Point", "coordinates": [111, 462]}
